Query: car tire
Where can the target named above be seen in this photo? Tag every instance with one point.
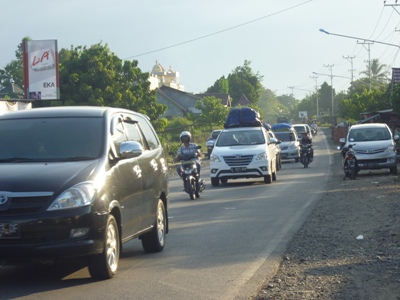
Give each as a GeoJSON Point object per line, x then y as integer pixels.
{"type": "Point", "coordinates": [268, 179]}
{"type": "Point", "coordinates": [274, 176]}
{"type": "Point", "coordinates": [154, 241]}
{"type": "Point", "coordinates": [297, 159]}
{"type": "Point", "coordinates": [214, 181]}
{"type": "Point", "coordinates": [105, 265]}
{"type": "Point", "coordinates": [393, 170]}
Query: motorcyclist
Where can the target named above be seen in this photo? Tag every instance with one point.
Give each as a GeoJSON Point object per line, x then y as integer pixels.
{"type": "Point", "coordinates": [314, 127]}
{"type": "Point", "coordinates": [305, 140]}
{"type": "Point", "coordinates": [188, 148]}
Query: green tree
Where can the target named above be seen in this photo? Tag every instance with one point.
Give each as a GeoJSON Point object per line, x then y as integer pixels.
{"type": "Point", "coordinates": [220, 86]}
{"type": "Point", "coordinates": [213, 113]}
{"type": "Point", "coordinates": [376, 73]}
{"type": "Point", "coordinates": [374, 100]}
{"type": "Point", "coordinates": [15, 69]}
{"type": "Point", "coordinates": [96, 76]}
{"type": "Point", "coordinates": [243, 81]}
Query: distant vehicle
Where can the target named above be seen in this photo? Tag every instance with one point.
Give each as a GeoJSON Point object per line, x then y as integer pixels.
{"type": "Point", "coordinates": [300, 128]}
{"type": "Point", "coordinates": [78, 182]}
{"type": "Point", "coordinates": [290, 145]}
{"type": "Point", "coordinates": [211, 140]}
{"type": "Point", "coordinates": [282, 120]}
{"type": "Point", "coordinates": [243, 152]}
{"type": "Point", "coordinates": [278, 150]}
{"type": "Point", "coordinates": [373, 145]}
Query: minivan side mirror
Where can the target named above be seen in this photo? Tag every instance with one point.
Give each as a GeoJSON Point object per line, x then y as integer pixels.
{"type": "Point", "coordinates": [130, 149]}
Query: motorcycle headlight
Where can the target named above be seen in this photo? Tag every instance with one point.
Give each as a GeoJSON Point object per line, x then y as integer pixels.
{"type": "Point", "coordinates": [77, 196]}
{"type": "Point", "coordinates": [214, 158]}
{"type": "Point", "coordinates": [262, 156]}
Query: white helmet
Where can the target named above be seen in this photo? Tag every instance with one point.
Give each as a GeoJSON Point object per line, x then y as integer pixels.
{"type": "Point", "coordinates": [185, 136]}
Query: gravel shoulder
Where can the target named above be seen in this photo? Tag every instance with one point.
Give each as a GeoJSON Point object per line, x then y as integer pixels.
{"type": "Point", "coordinates": [349, 247]}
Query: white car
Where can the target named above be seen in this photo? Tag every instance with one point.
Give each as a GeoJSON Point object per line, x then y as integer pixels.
{"type": "Point", "coordinates": [373, 145]}
{"type": "Point", "coordinates": [243, 152]}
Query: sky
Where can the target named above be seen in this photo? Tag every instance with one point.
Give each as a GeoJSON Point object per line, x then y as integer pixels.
{"type": "Point", "coordinates": [204, 40]}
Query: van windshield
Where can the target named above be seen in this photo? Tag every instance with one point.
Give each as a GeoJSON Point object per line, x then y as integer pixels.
{"type": "Point", "coordinates": [285, 136]}
{"type": "Point", "coordinates": [242, 137]}
{"type": "Point", "coordinates": [369, 134]}
{"type": "Point", "coordinates": [50, 139]}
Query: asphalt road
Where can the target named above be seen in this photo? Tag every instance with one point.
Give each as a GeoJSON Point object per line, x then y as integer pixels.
{"type": "Point", "coordinates": [220, 246]}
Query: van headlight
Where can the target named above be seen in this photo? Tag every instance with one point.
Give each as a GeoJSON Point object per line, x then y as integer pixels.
{"type": "Point", "coordinates": [391, 148]}
{"type": "Point", "coordinates": [262, 156]}
{"type": "Point", "coordinates": [214, 158]}
{"type": "Point", "coordinates": [77, 196]}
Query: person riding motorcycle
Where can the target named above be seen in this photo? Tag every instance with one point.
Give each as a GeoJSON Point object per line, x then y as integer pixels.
{"type": "Point", "coordinates": [305, 140]}
{"type": "Point", "coordinates": [314, 127]}
{"type": "Point", "coordinates": [187, 148]}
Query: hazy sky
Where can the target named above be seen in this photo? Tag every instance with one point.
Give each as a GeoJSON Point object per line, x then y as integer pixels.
{"type": "Point", "coordinates": [206, 39]}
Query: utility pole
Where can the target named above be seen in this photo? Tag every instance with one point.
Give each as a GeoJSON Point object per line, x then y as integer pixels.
{"type": "Point", "coordinates": [350, 59]}
{"type": "Point", "coordinates": [333, 107]}
{"type": "Point", "coordinates": [291, 87]}
{"type": "Point", "coordinates": [316, 93]}
{"type": "Point", "coordinates": [369, 58]}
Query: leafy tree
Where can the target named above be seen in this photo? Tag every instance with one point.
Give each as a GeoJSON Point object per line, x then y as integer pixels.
{"type": "Point", "coordinates": [395, 98]}
{"type": "Point", "coordinates": [213, 113]}
{"type": "Point", "coordinates": [220, 86]}
{"type": "Point", "coordinates": [374, 100]}
{"type": "Point", "coordinates": [96, 76]}
{"type": "Point", "coordinates": [376, 73]}
{"type": "Point", "coordinates": [269, 105]}
{"type": "Point", "coordinates": [15, 69]}
{"type": "Point", "coordinates": [243, 81]}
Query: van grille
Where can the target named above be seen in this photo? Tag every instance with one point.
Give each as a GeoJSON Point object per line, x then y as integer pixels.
{"type": "Point", "coordinates": [238, 160]}
{"type": "Point", "coordinates": [24, 205]}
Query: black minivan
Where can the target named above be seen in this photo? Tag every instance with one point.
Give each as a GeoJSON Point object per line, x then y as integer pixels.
{"type": "Point", "coordinates": [79, 182]}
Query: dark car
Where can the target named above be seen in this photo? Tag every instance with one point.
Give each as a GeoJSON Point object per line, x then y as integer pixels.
{"type": "Point", "coordinates": [80, 182]}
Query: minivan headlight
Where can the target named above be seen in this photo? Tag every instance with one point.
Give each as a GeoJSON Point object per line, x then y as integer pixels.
{"type": "Point", "coordinates": [262, 156]}
{"type": "Point", "coordinates": [391, 148]}
{"type": "Point", "coordinates": [214, 158]}
{"type": "Point", "coordinates": [77, 196]}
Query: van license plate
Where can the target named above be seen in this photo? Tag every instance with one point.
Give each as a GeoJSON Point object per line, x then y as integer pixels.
{"type": "Point", "coordinates": [238, 169]}
{"type": "Point", "coordinates": [9, 231]}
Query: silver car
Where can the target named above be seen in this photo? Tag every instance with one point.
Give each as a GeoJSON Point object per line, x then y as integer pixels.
{"type": "Point", "coordinates": [374, 146]}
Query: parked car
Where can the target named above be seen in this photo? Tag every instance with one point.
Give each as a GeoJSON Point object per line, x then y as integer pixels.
{"type": "Point", "coordinates": [243, 152]}
{"type": "Point", "coordinates": [290, 145]}
{"type": "Point", "coordinates": [373, 145]}
{"type": "Point", "coordinates": [300, 128]}
{"type": "Point", "coordinates": [211, 140]}
{"type": "Point", "coordinates": [79, 182]}
{"type": "Point", "coordinates": [278, 150]}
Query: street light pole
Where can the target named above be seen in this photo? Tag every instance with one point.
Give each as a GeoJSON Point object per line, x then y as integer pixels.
{"type": "Point", "coordinates": [316, 94]}
{"type": "Point", "coordinates": [357, 38]}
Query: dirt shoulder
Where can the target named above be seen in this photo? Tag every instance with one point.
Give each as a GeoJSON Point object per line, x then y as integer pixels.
{"type": "Point", "coordinates": [349, 247]}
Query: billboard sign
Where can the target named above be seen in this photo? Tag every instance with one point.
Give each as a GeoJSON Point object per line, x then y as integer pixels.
{"type": "Point", "coordinates": [303, 114]}
{"type": "Point", "coordinates": [41, 70]}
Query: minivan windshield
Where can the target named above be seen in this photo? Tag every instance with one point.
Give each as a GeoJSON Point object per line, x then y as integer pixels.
{"type": "Point", "coordinates": [242, 137]}
{"type": "Point", "coordinates": [285, 136]}
{"type": "Point", "coordinates": [369, 134]}
{"type": "Point", "coordinates": [50, 139]}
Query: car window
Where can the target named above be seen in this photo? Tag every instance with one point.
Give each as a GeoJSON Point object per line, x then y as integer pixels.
{"type": "Point", "coordinates": [247, 137]}
{"type": "Point", "coordinates": [51, 138]}
{"type": "Point", "coordinates": [148, 133]}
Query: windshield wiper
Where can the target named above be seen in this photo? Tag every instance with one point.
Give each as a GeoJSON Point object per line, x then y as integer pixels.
{"type": "Point", "coordinates": [78, 158]}
{"type": "Point", "coordinates": [18, 159]}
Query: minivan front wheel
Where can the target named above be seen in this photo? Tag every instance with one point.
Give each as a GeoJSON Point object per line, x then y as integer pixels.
{"type": "Point", "coordinates": [105, 265]}
{"type": "Point", "coordinates": [393, 170]}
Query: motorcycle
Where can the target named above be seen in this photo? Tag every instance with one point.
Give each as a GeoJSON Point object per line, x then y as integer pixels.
{"type": "Point", "coordinates": [305, 154]}
{"type": "Point", "coordinates": [192, 183]}
{"type": "Point", "coordinates": [350, 165]}
{"type": "Point", "coordinates": [314, 132]}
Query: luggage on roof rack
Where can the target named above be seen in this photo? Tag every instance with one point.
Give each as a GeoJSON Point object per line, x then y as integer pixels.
{"type": "Point", "coordinates": [243, 117]}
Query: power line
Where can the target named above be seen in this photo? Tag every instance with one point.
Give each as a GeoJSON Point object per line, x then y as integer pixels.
{"type": "Point", "coordinates": [221, 31]}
